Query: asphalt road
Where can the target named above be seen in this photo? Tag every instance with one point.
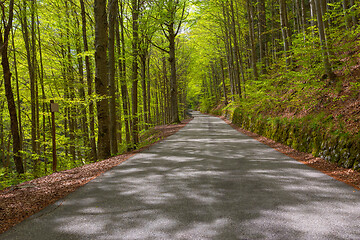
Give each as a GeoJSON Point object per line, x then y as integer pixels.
{"type": "Point", "coordinates": [208, 181]}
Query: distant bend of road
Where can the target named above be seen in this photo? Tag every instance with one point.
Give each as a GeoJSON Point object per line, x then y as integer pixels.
{"type": "Point", "coordinates": [207, 181]}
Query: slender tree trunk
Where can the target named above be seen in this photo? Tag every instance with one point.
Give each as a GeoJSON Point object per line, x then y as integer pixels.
{"type": "Point", "coordinates": [252, 38]}
{"type": "Point", "coordinates": [31, 69]}
{"type": "Point", "coordinates": [4, 41]}
{"type": "Point", "coordinates": [93, 155]}
{"type": "Point", "coordinates": [148, 91]}
{"type": "Point", "coordinates": [173, 80]}
{"type": "Point", "coordinates": [113, 118]}
{"type": "Point", "coordinates": [223, 81]}
{"type": "Point", "coordinates": [70, 84]}
{"type": "Point", "coordinates": [36, 159]}
{"type": "Point", "coordinates": [101, 78]}
{"type": "Point", "coordinates": [262, 34]}
{"type": "Point", "coordinates": [135, 67]}
{"type": "Point", "coordinates": [285, 31]}
{"type": "Point", "coordinates": [235, 50]}
{"type": "Point", "coordinates": [303, 19]}
{"type": "Point", "coordinates": [323, 44]}
{"type": "Point", "coordinates": [18, 97]}
{"type": "Point", "coordinates": [229, 53]}
{"type": "Point", "coordinates": [143, 58]}
{"type": "Point", "coordinates": [2, 142]}
{"type": "Point", "coordinates": [43, 96]}
{"type": "Point", "coordinates": [122, 72]}
{"type": "Point", "coordinates": [80, 61]}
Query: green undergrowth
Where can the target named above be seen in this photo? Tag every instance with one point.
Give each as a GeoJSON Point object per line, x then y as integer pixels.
{"type": "Point", "coordinates": [11, 178]}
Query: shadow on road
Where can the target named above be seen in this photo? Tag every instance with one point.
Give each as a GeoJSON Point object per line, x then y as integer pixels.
{"type": "Point", "coordinates": [206, 182]}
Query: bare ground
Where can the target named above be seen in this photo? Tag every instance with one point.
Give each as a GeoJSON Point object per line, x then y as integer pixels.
{"type": "Point", "coordinates": [21, 201]}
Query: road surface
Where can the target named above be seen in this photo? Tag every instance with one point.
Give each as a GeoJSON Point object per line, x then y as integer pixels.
{"type": "Point", "coordinates": [208, 181]}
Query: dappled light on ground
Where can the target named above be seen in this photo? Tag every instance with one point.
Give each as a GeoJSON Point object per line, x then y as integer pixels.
{"type": "Point", "coordinates": [205, 182]}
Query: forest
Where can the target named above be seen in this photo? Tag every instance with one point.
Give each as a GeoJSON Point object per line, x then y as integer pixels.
{"type": "Point", "coordinates": [99, 75]}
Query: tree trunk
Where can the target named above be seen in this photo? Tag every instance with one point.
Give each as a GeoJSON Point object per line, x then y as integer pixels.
{"type": "Point", "coordinates": [93, 155]}
{"type": "Point", "coordinates": [101, 78]}
{"type": "Point", "coordinates": [252, 38]}
{"type": "Point", "coordinates": [223, 81]}
{"type": "Point", "coordinates": [122, 72]}
{"type": "Point", "coordinates": [18, 98]}
{"type": "Point", "coordinates": [173, 81]}
{"type": "Point", "coordinates": [4, 41]}
{"type": "Point", "coordinates": [135, 67]}
{"type": "Point", "coordinates": [113, 123]}
{"type": "Point", "coordinates": [148, 91]}
{"type": "Point", "coordinates": [143, 58]}
{"type": "Point", "coordinates": [285, 31]}
{"type": "Point", "coordinates": [31, 69]}
{"type": "Point", "coordinates": [323, 44]}
{"type": "Point", "coordinates": [235, 51]}
{"type": "Point", "coordinates": [262, 34]}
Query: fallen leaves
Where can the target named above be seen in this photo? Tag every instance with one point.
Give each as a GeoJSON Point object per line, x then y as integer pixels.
{"type": "Point", "coordinates": [20, 202]}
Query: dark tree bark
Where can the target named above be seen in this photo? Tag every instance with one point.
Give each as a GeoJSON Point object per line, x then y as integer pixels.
{"type": "Point", "coordinates": [250, 12]}
{"type": "Point", "coordinates": [173, 81]}
{"type": "Point", "coordinates": [122, 72]}
{"type": "Point", "coordinates": [30, 56]}
{"type": "Point", "coordinates": [285, 31]}
{"type": "Point", "coordinates": [4, 41]}
{"type": "Point", "coordinates": [135, 67]}
{"type": "Point", "coordinates": [113, 116]}
{"type": "Point", "coordinates": [235, 50]}
{"type": "Point", "coordinates": [143, 58]}
{"type": "Point", "coordinates": [262, 34]}
{"type": "Point", "coordinates": [101, 78]}
{"type": "Point", "coordinates": [323, 43]}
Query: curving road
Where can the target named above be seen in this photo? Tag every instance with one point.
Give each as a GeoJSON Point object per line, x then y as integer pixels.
{"type": "Point", "coordinates": [208, 181]}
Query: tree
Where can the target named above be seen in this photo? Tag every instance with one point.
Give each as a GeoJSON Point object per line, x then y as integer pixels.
{"type": "Point", "coordinates": [89, 81]}
{"type": "Point", "coordinates": [323, 42]}
{"type": "Point", "coordinates": [135, 11]}
{"type": "Point", "coordinates": [120, 38]}
{"type": "Point", "coordinates": [101, 78]}
{"type": "Point", "coordinates": [4, 42]}
{"type": "Point", "coordinates": [285, 30]}
{"type": "Point", "coordinates": [172, 16]}
{"type": "Point", "coordinates": [113, 12]}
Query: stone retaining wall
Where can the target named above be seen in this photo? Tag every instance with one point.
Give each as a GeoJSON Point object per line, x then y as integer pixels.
{"type": "Point", "coordinates": [340, 148]}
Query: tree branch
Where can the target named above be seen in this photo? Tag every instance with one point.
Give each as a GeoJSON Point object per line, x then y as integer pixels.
{"type": "Point", "coordinates": [181, 20]}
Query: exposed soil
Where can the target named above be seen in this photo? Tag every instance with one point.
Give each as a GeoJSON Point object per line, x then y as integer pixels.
{"type": "Point", "coordinates": [345, 175]}
{"type": "Point", "coordinates": [21, 201]}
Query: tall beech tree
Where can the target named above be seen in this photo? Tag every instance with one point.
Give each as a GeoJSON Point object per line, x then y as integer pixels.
{"type": "Point", "coordinates": [171, 17]}
{"type": "Point", "coordinates": [4, 43]}
{"type": "Point", "coordinates": [101, 78]}
{"type": "Point", "coordinates": [135, 12]}
{"type": "Point", "coordinates": [113, 12]}
{"type": "Point", "coordinates": [89, 81]}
